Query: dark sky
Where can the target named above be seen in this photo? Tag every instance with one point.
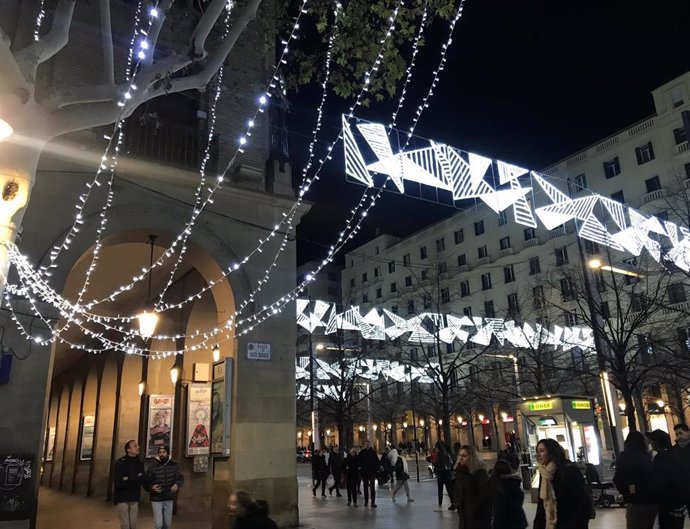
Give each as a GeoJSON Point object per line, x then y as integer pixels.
{"type": "Point", "coordinates": [527, 82]}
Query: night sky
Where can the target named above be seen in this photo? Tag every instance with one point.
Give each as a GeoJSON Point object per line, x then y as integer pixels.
{"type": "Point", "coordinates": [527, 82]}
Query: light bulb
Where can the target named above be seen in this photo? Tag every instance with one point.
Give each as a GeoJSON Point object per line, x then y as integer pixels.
{"type": "Point", "coordinates": [216, 354]}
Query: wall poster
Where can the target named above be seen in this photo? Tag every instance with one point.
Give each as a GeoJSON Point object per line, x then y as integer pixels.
{"type": "Point", "coordinates": [17, 495]}
{"type": "Point", "coordinates": [51, 444]}
{"type": "Point", "coordinates": [221, 407]}
{"type": "Point", "coordinates": [160, 423]}
{"type": "Point", "coordinates": [198, 419]}
{"type": "Point", "coordinates": [87, 428]}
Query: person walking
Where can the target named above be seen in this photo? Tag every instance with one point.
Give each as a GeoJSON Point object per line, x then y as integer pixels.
{"type": "Point", "coordinates": [320, 472]}
{"type": "Point", "coordinates": [670, 481]}
{"type": "Point", "coordinates": [163, 480]}
{"type": "Point", "coordinates": [247, 513]}
{"type": "Point", "coordinates": [472, 494]}
{"type": "Point", "coordinates": [443, 468]}
{"type": "Point", "coordinates": [402, 475]}
{"type": "Point", "coordinates": [129, 476]}
{"type": "Point", "coordinates": [682, 447]}
{"type": "Point", "coordinates": [506, 498]}
{"type": "Point", "coordinates": [369, 465]}
{"type": "Point", "coordinates": [633, 479]}
{"type": "Point", "coordinates": [335, 465]}
{"type": "Point", "coordinates": [564, 502]}
{"type": "Point", "coordinates": [351, 468]}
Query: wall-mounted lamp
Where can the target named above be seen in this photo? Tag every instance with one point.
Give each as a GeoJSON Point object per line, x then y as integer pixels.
{"type": "Point", "coordinates": [142, 388]}
{"type": "Point", "coordinates": [216, 354]}
{"type": "Point", "coordinates": [405, 424]}
{"type": "Point", "coordinates": [175, 374]}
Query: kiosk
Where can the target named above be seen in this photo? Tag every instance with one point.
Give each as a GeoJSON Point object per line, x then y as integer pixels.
{"type": "Point", "coordinates": [570, 420]}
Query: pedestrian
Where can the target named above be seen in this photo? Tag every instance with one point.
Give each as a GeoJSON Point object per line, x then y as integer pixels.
{"type": "Point", "coordinates": [369, 466]}
{"type": "Point", "coordinates": [670, 481]}
{"type": "Point", "coordinates": [564, 501]}
{"type": "Point", "coordinates": [506, 498]}
{"type": "Point", "coordinates": [129, 476]}
{"type": "Point", "coordinates": [472, 494]}
{"type": "Point", "coordinates": [387, 472]}
{"type": "Point", "coordinates": [401, 474]}
{"type": "Point", "coordinates": [335, 466]}
{"type": "Point", "coordinates": [633, 479]}
{"type": "Point", "coordinates": [443, 468]}
{"type": "Point", "coordinates": [682, 447]}
{"type": "Point", "coordinates": [163, 480]}
{"type": "Point", "coordinates": [320, 472]}
{"type": "Point", "coordinates": [351, 468]}
{"type": "Point", "coordinates": [512, 457]}
{"type": "Point", "coordinates": [249, 514]}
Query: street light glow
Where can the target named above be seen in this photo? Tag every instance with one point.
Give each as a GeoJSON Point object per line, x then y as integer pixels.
{"type": "Point", "coordinates": [595, 264]}
{"type": "Point", "coordinates": [6, 130]}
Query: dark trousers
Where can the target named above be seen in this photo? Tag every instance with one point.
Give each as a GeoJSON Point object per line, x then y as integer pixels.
{"type": "Point", "coordinates": [369, 485]}
{"type": "Point", "coordinates": [671, 518]}
{"type": "Point", "coordinates": [321, 482]}
{"type": "Point", "coordinates": [352, 485]}
{"type": "Point", "coordinates": [444, 478]}
{"type": "Point", "coordinates": [336, 484]}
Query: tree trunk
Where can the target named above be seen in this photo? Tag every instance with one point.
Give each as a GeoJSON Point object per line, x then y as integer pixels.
{"type": "Point", "coordinates": [630, 410]}
{"type": "Point", "coordinates": [445, 407]}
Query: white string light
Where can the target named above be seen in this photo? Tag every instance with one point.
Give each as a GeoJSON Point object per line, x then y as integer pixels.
{"type": "Point", "coordinates": [39, 20]}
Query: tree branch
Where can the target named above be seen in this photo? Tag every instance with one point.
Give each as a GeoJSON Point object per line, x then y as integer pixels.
{"type": "Point", "coordinates": [107, 39]}
{"type": "Point", "coordinates": [203, 29]}
{"type": "Point", "coordinates": [30, 57]}
{"type": "Point", "coordinates": [60, 99]}
{"type": "Point", "coordinates": [154, 32]}
{"type": "Point", "coordinates": [12, 77]}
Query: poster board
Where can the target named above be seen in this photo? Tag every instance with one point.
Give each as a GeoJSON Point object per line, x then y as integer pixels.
{"type": "Point", "coordinates": [198, 419]}
{"type": "Point", "coordinates": [221, 407]}
{"type": "Point", "coordinates": [50, 453]}
{"type": "Point", "coordinates": [87, 430]}
{"type": "Point", "coordinates": [16, 486]}
{"type": "Point", "coordinates": [160, 421]}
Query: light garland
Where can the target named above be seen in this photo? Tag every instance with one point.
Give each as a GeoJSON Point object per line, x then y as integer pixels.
{"type": "Point", "coordinates": [39, 21]}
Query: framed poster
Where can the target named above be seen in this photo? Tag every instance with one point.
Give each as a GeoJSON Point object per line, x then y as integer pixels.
{"type": "Point", "coordinates": [160, 423]}
{"type": "Point", "coordinates": [198, 419]}
{"type": "Point", "coordinates": [51, 444]}
{"type": "Point", "coordinates": [221, 407]}
{"type": "Point", "coordinates": [87, 427]}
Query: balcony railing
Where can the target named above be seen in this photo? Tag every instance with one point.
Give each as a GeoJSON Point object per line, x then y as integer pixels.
{"type": "Point", "coordinates": [504, 253]}
{"type": "Point", "coordinates": [169, 144]}
{"type": "Point", "coordinates": [652, 196]}
{"type": "Point", "coordinates": [683, 306]}
{"type": "Point", "coordinates": [557, 232]}
{"type": "Point", "coordinates": [682, 147]}
{"type": "Point", "coordinates": [531, 242]}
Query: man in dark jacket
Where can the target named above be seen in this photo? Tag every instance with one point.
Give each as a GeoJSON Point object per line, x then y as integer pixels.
{"type": "Point", "coordinates": [335, 465]}
{"type": "Point", "coordinates": [163, 480]}
{"type": "Point", "coordinates": [682, 447]}
{"type": "Point", "coordinates": [369, 464]}
{"type": "Point", "coordinates": [670, 482]}
{"type": "Point", "coordinates": [129, 477]}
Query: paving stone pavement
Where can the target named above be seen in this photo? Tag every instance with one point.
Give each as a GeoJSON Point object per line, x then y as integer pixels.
{"type": "Point", "coordinates": [64, 511]}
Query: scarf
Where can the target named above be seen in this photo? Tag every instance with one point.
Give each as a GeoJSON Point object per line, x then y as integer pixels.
{"type": "Point", "coordinates": [547, 494]}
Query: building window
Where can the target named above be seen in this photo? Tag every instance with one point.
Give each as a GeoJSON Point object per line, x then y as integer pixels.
{"type": "Point", "coordinates": [426, 299]}
{"type": "Point", "coordinates": [377, 271]}
{"type": "Point", "coordinates": [580, 183]}
{"type": "Point", "coordinates": [410, 306]}
{"type": "Point", "coordinates": [538, 297]}
{"type": "Point", "coordinates": [425, 274]}
{"type": "Point", "coordinates": [464, 289]}
{"type": "Point", "coordinates": [644, 153]}
{"type": "Point", "coordinates": [504, 243]}
{"type": "Point", "coordinates": [652, 184]}
{"type": "Point", "coordinates": [445, 295]}
{"type": "Point", "coordinates": [513, 306]}
{"type": "Point", "coordinates": [408, 281]}
{"type": "Point", "coordinates": [684, 339]}
{"type": "Point", "coordinates": [502, 218]}
{"type": "Point", "coordinates": [676, 293]}
{"type": "Point", "coordinates": [600, 281]}
{"type": "Point", "coordinates": [680, 135]}
{"type": "Point", "coordinates": [604, 310]}
{"type": "Point", "coordinates": [394, 309]}
{"type": "Point", "coordinates": [406, 259]}
{"type": "Point", "coordinates": [459, 236]}
{"type": "Point", "coordinates": [530, 233]}
{"type": "Point", "coordinates": [365, 298]}
{"type": "Point", "coordinates": [489, 309]}
{"type": "Point", "coordinates": [440, 244]}
{"type": "Point", "coordinates": [570, 318]}
{"type": "Point", "coordinates": [618, 196]}
{"type": "Point", "coordinates": [462, 260]}
{"type": "Point", "coordinates": [612, 168]}
{"type": "Point", "coordinates": [561, 256]}
{"type": "Point", "coordinates": [567, 293]}
{"type": "Point", "coordinates": [486, 281]}
{"type": "Point", "coordinates": [394, 287]}
{"type": "Point", "coordinates": [637, 302]}
{"type": "Point", "coordinates": [467, 311]}
{"type": "Point", "coordinates": [352, 282]}
{"type": "Point", "coordinates": [534, 266]}
{"type": "Point", "coordinates": [391, 267]}
{"type": "Point", "coordinates": [422, 252]}
{"type": "Point", "coordinates": [442, 268]}
{"type": "Point", "coordinates": [379, 293]}
{"type": "Point", "coordinates": [482, 252]}
{"type": "Point", "coordinates": [509, 274]}
{"type": "Point", "coordinates": [479, 227]}
{"type": "Point", "coordinates": [591, 247]}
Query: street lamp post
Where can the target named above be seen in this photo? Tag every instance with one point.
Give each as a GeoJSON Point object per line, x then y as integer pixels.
{"type": "Point", "coordinates": [316, 438]}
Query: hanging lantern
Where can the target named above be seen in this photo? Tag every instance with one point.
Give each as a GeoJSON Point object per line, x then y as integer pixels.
{"type": "Point", "coordinates": [148, 320]}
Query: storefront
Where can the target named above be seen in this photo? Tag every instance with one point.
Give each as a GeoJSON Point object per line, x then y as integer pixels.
{"type": "Point", "coordinates": [569, 420]}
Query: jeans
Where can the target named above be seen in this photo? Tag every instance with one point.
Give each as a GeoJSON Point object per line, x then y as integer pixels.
{"type": "Point", "coordinates": [321, 482]}
{"type": "Point", "coordinates": [352, 484]}
{"type": "Point", "coordinates": [369, 485]}
{"type": "Point", "coordinates": [162, 514]}
{"type": "Point", "coordinates": [399, 485]}
{"type": "Point", "coordinates": [444, 478]}
{"type": "Point", "coordinates": [128, 512]}
{"type": "Point", "coordinates": [336, 484]}
{"type": "Point", "coordinates": [639, 515]}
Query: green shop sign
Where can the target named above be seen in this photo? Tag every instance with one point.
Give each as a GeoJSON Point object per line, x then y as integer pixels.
{"type": "Point", "coordinates": [540, 405]}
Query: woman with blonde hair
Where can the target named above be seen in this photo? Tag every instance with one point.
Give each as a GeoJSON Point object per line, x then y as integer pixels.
{"type": "Point", "coordinates": [472, 494]}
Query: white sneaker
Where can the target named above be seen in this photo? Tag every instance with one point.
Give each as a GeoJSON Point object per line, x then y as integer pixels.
{"type": "Point", "coordinates": [438, 509]}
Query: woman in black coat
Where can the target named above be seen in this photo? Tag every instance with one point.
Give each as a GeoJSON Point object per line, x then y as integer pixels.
{"type": "Point", "coordinates": [351, 468]}
{"type": "Point", "coordinates": [564, 502]}
{"type": "Point", "coordinates": [320, 472]}
{"type": "Point", "coordinates": [472, 494]}
{"type": "Point", "coordinates": [506, 498]}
